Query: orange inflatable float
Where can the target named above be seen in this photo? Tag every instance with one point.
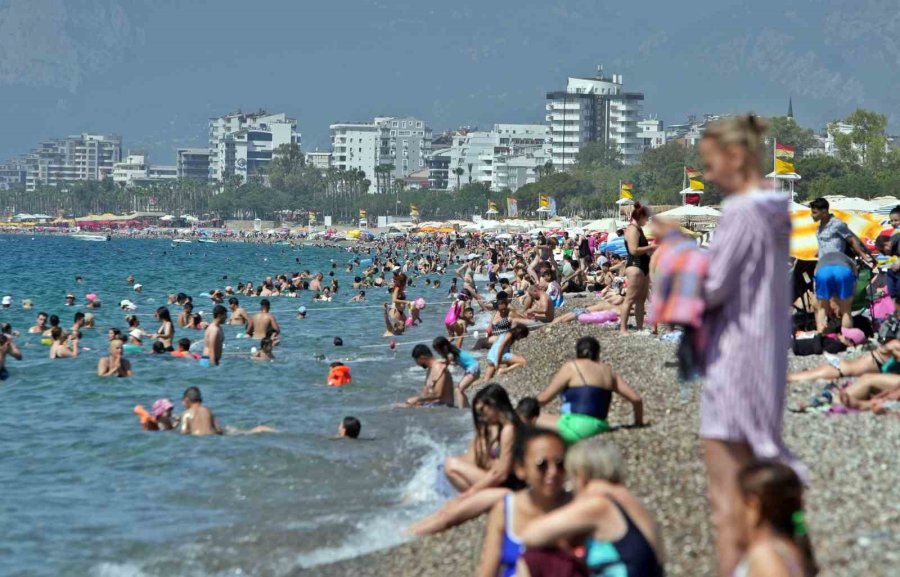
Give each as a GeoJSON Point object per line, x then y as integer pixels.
{"type": "Point", "coordinates": [339, 376]}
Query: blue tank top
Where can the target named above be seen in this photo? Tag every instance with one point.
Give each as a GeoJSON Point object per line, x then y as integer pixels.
{"type": "Point", "coordinates": [511, 547]}
{"type": "Point", "coordinates": [630, 556]}
{"type": "Point", "coordinates": [586, 400]}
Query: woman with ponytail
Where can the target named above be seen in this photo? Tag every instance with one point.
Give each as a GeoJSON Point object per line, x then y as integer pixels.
{"type": "Point", "coordinates": [746, 330]}
{"type": "Point", "coordinates": [637, 268]}
{"type": "Point", "coordinates": [774, 524]}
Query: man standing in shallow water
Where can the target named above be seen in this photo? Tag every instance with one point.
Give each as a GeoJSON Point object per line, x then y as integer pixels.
{"type": "Point", "coordinates": [263, 323]}
{"type": "Point", "coordinates": [238, 315]}
{"type": "Point", "coordinates": [214, 337]}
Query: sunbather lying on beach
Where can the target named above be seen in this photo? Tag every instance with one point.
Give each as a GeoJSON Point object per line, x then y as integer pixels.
{"type": "Point", "coordinates": [884, 359]}
{"type": "Point", "coordinates": [869, 391]}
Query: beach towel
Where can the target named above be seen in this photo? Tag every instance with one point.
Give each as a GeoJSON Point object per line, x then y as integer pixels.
{"type": "Point", "coordinates": [678, 283]}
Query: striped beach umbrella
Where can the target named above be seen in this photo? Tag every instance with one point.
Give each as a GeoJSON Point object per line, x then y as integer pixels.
{"type": "Point", "coordinates": [803, 230]}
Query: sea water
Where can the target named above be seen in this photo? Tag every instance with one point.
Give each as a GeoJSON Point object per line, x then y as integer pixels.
{"type": "Point", "coordinates": [83, 491]}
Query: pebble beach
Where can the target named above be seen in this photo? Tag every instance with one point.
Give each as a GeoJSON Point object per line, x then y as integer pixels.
{"type": "Point", "coordinates": [852, 510]}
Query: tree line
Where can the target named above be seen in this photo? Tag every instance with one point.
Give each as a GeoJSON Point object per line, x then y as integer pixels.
{"type": "Point", "coordinates": [863, 165]}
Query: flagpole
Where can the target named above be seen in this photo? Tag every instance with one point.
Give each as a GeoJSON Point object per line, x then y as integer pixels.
{"type": "Point", "coordinates": [683, 184]}
{"type": "Point", "coordinates": [775, 164]}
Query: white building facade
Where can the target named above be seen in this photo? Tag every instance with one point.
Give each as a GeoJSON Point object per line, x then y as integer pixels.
{"type": "Point", "coordinates": [320, 160]}
{"type": "Point", "coordinates": [652, 132]}
{"type": "Point", "coordinates": [355, 146]}
{"type": "Point", "coordinates": [74, 158]}
{"type": "Point", "coordinates": [594, 110]}
{"type": "Point", "coordinates": [192, 163]}
{"type": "Point", "coordinates": [507, 157]}
{"type": "Point", "coordinates": [136, 170]}
{"type": "Point", "coordinates": [242, 144]}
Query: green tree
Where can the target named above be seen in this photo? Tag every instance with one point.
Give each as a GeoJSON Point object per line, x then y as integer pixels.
{"type": "Point", "coordinates": [865, 145]}
{"type": "Point", "coordinates": [599, 154]}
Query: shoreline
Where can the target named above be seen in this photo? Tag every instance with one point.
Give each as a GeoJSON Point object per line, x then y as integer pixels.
{"type": "Point", "coordinates": [853, 461]}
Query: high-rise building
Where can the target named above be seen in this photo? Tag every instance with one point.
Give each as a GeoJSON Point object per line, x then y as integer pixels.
{"type": "Point", "coordinates": [74, 158]}
{"type": "Point", "coordinates": [594, 110]}
{"type": "Point", "coordinates": [652, 132]}
{"type": "Point", "coordinates": [242, 143]}
{"type": "Point", "coordinates": [439, 169]}
{"type": "Point", "coordinates": [507, 157]}
{"type": "Point", "coordinates": [13, 174]}
{"type": "Point", "coordinates": [192, 163]}
{"type": "Point", "coordinates": [403, 142]}
{"type": "Point", "coordinates": [355, 146]}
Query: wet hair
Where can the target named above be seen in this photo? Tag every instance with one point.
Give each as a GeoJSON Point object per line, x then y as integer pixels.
{"type": "Point", "coordinates": [496, 397]}
{"type": "Point", "coordinates": [184, 343]}
{"type": "Point", "coordinates": [159, 348]}
{"type": "Point", "coordinates": [819, 204]}
{"type": "Point", "coordinates": [79, 316]}
{"type": "Point", "coordinates": [188, 307]}
{"type": "Point", "coordinates": [54, 321]}
{"type": "Point", "coordinates": [265, 343]}
{"type": "Point", "coordinates": [640, 212]}
{"type": "Point", "coordinates": [780, 494]}
{"type": "Point", "coordinates": [6, 329]}
{"type": "Point", "coordinates": [444, 347]}
{"type": "Point", "coordinates": [193, 395]}
{"type": "Point", "coordinates": [163, 314]}
{"type": "Point", "coordinates": [338, 342]}
{"type": "Point", "coordinates": [587, 348]}
{"type": "Point", "coordinates": [420, 351]}
{"type": "Point", "coordinates": [596, 458]}
{"type": "Point", "coordinates": [132, 320]}
{"type": "Point", "coordinates": [219, 311]}
{"type": "Point", "coordinates": [56, 333]}
{"type": "Point", "coordinates": [528, 408]}
{"type": "Point", "coordinates": [519, 332]}
{"type": "Point", "coordinates": [352, 427]}
{"type": "Point", "coordinates": [525, 435]}
{"type": "Point", "coordinates": [45, 315]}
{"type": "Point", "coordinates": [232, 301]}
{"type": "Point", "coordinates": [746, 131]}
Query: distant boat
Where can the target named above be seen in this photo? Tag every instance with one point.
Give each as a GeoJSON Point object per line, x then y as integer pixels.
{"type": "Point", "coordinates": [207, 241]}
{"type": "Point", "coordinates": [91, 237]}
{"type": "Point", "coordinates": [181, 241]}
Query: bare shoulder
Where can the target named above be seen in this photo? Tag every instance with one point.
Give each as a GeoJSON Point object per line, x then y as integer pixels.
{"type": "Point", "coordinates": [767, 559]}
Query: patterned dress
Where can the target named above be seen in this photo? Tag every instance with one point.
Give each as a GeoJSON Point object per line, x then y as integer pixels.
{"type": "Point", "coordinates": [748, 324]}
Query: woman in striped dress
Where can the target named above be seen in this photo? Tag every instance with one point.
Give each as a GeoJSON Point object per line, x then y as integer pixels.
{"type": "Point", "coordinates": [747, 325]}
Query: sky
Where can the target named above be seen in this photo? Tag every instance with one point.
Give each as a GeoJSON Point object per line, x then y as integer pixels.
{"type": "Point", "coordinates": [154, 71]}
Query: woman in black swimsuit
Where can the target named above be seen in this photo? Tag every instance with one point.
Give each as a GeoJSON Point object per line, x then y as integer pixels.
{"type": "Point", "coordinates": [637, 269]}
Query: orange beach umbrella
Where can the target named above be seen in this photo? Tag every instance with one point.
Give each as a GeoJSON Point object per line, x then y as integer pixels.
{"type": "Point", "coordinates": [803, 230]}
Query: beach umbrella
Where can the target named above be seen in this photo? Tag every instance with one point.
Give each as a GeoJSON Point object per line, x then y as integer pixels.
{"type": "Point", "coordinates": [614, 245]}
{"type": "Point", "coordinates": [855, 205]}
{"type": "Point", "coordinates": [803, 230]}
{"type": "Point", "coordinates": [690, 210]}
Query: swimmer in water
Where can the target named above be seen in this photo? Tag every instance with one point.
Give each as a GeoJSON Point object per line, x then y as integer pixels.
{"type": "Point", "coordinates": [166, 331]}
{"type": "Point", "coordinates": [393, 325]}
{"type": "Point", "coordinates": [360, 297]}
{"type": "Point", "coordinates": [263, 323]}
{"type": "Point", "coordinates": [163, 411]}
{"type": "Point", "coordinates": [238, 315]}
{"type": "Point", "coordinates": [183, 349]}
{"type": "Point", "coordinates": [115, 365]}
{"type": "Point", "coordinates": [197, 419]}
{"type": "Point", "coordinates": [60, 348]}
{"type": "Point", "coordinates": [264, 353]}
{"type": "Point", "coordinates": [349, 428]}
{"type": "Point", "coordinates": [186, 314]}
{"type": "Point", "coordinates": [214, 337]}
{"type": "Point", "coordinates": [7, 348]}
{"type": "Point", "coordinates": [41, 324]}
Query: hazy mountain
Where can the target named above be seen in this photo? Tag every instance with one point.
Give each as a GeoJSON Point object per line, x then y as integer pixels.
{"type": "Point", "coordinates": [154, 71]}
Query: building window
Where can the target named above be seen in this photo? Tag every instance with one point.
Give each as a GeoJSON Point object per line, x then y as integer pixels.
{"type": "Point", "coordinates": [418, 125]}
{"type": "Point", "coordinates": [394, 124]}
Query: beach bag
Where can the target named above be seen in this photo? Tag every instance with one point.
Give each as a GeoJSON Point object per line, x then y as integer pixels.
{"type": "Point", "coordinates": [816, 346]}
{"type": "Point", "coordinates": [452, 314]}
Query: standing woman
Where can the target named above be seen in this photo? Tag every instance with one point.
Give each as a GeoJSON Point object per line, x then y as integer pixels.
{"type": "Point", "coordinates": [747, 331]}
{"type": "Point", "coordinates": [637, 268]}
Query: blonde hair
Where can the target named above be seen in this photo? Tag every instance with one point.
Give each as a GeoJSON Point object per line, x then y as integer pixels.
{"type": "Point", "coordinates": [746, 131]}
{"type": "Point", "coordinates": [596, 459]}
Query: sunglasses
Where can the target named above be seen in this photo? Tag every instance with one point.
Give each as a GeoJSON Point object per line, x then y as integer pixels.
{"type": "Point", "coordinates": [543, 465]}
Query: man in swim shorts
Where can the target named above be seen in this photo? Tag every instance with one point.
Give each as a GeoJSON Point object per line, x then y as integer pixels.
{"type": "Point", "coordinates": [264, 324]}
{"type": "Point", "coordinates": [238, 315]}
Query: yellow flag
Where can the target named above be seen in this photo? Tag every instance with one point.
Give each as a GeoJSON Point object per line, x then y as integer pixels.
{"type": "Point", "coordinates": [695, 178]}
{"type": "Point", "coordinates": [784, 159]}
{"type": "Point", "coordinates": [544, 201]}
{"type": "Point", "coordinates": [627, 191]}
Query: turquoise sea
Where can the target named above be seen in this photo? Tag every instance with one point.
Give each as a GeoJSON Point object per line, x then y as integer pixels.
{"type": "Point", "coordinates": [83, 491]}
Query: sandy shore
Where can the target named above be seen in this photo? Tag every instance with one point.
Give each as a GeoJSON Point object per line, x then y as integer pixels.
{"type": "Point", "coordinates": [853, 511]}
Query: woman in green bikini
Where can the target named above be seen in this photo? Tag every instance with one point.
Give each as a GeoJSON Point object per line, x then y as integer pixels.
{"type": "Point", "coordinates": [585, 386]}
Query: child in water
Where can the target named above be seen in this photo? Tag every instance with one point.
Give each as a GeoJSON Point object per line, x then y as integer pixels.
{"type": "Point", "coordinates": [264, 353]}
{"type": "Point", "coordinates": [349, 428]}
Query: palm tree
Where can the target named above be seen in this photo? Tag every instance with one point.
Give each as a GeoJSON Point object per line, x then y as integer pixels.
{"type": "Point", "coordinates": [458, 171]}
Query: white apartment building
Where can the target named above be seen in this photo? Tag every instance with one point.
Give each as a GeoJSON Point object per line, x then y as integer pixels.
{"type": "Point", "coordinates": [594, 110]}
{"type": "Point", "coordinates": [135, 170]}
{"type": "Point", "coordinates": [320, 160]}
{"type": "Point", "coordinates": [504, 158]}
{"type": "Point", "coordinates": [74, 158]}
{"type": "Point", "coordinates": [355, 146]}
{"type": "Point", "coordinates": [652, 133]}
{"type": "Point", "coordinates": [242, 143]}
{"type": "Point", "coordinates": [401, 142]}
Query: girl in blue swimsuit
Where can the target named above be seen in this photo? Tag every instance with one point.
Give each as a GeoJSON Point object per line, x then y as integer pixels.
{"type": "Point", "coordinates": [453, 355]}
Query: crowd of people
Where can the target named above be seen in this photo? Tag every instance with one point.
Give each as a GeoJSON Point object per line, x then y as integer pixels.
{"type": "Point", "coordinates": [554, 491]}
